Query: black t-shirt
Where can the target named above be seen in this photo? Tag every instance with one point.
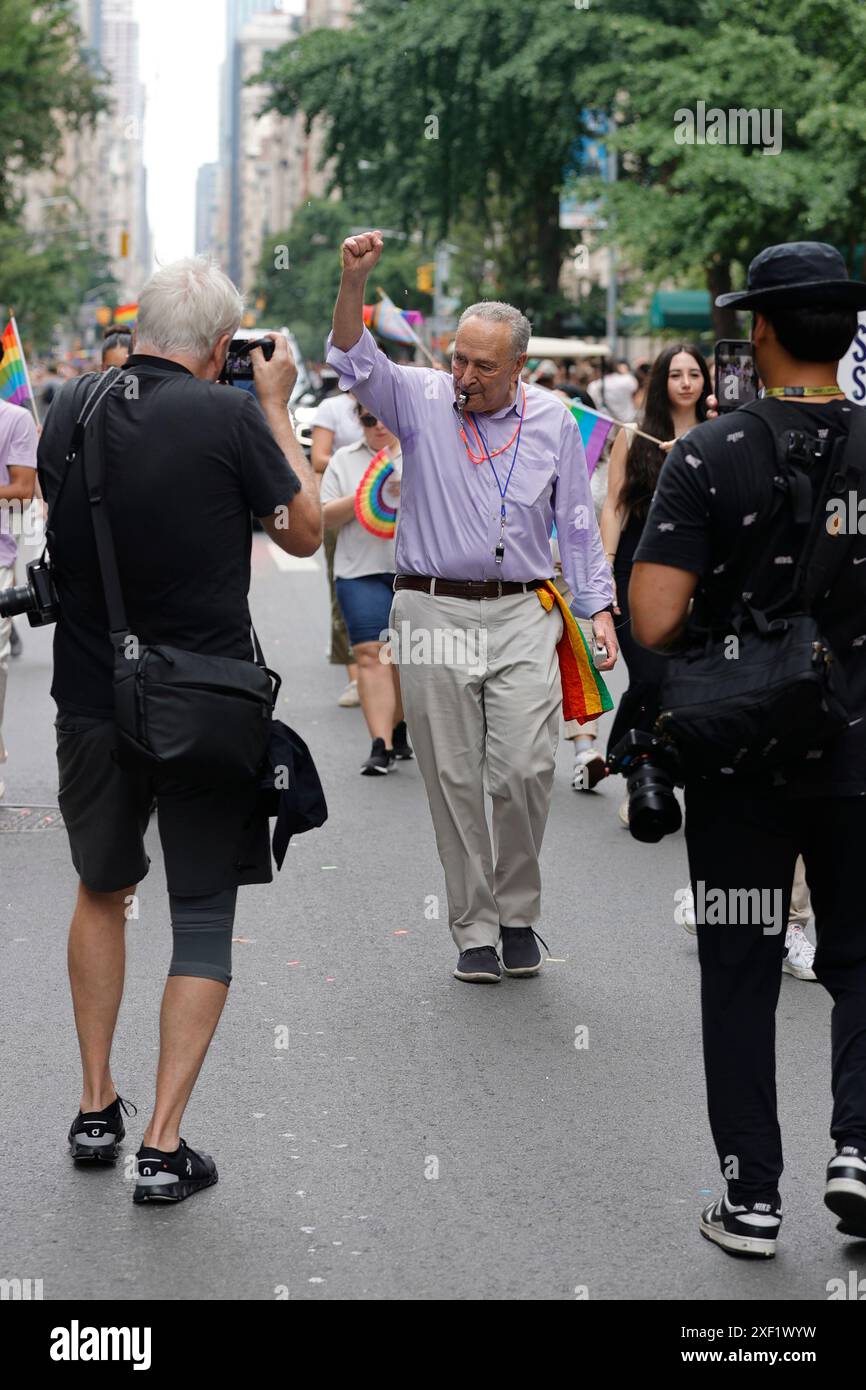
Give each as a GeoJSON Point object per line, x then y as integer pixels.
{"type": "Point", "coordinates": [187, 463]}
{"type": "Point", "coordinates": [718, 479]}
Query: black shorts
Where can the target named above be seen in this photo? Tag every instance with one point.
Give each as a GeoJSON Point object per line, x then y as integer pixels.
{"type": "Point", "coordinates": [212, 837]}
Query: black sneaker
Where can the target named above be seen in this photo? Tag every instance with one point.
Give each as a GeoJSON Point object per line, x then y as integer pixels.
{"type": "Point", "coordinates": [845, 1193]}
{"type": "Point", "coordinates": [164, 1177]}
{"type": "Point", "coordinates": [401, 750]}
{"type": "Point", "coordinates": [379, 761]}
{"type": "Point", "coordinates": [479, 965]}
{"type": "Point", "coordinates": [16, 646]}
{"type": "Point", "coordinates": [520, 953]}
{"type": "Point", "coordinates": [96, 1136]}
{"type": "Point", "coordinates": [742, 1230]}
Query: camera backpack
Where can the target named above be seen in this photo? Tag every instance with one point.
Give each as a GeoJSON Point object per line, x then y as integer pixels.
{"type": "Point", "coordinates": [778, 692]}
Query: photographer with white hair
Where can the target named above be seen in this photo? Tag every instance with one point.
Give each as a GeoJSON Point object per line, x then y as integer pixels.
{"type": "Point", "coordinates": [187, 464]}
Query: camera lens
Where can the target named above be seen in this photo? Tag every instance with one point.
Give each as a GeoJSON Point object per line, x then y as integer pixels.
{"type": "Point", "coordinates": [15, 601]}
{"type": "Point", "coordinates": [653, 810]}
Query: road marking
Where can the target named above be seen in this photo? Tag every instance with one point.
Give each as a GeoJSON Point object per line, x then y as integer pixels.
{"type": "Point", "coordinates": [292, 563]}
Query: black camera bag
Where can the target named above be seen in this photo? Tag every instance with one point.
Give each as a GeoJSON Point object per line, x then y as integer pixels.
{"type": "Point", "coordinates": [197, 716]}
{"type": "Point", "coordinates": [783, 693]}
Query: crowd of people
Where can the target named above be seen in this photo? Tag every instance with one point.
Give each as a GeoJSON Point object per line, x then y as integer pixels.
{"type": "Point", "coordinates": [460, 503]}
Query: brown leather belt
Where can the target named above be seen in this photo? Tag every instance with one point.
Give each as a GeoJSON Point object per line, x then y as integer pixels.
{"type": "Point", "coordinates": [465, 588]}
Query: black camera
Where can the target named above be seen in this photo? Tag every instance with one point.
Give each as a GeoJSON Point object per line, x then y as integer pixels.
{"type": "Point", "coordinates": [237, 366]}
{"type": "Point", "coordinates": [37, 598]}
{"type": "Point", "coordinates": [651, 768]}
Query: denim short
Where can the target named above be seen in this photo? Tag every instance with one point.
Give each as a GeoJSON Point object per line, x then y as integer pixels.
{"type": "Point", "coordinates": [366, 605]}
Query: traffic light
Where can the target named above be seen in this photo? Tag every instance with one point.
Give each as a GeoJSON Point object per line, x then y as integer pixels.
{"type": "Point", "coordinates": [124, 245]}
{"type": "Point", "coordinates": [424, 277]}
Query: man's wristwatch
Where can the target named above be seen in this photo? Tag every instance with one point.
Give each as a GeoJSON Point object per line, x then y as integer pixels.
{"type": "Point", "coordinates": [608, 609]}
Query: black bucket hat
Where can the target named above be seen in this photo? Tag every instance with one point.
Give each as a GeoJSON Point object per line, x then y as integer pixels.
{"type": "Point", "coordinates": [794, 274]}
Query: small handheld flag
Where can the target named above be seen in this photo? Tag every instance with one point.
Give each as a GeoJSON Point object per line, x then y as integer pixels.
{"type": "Point", "coordinates": [14, 379]}
{"type": "Point", "coordinates": [386, 320]}
{"type": "Point", "coordinates": [372, 507]}
{"type": "Point", "coordinates": [594, 430]}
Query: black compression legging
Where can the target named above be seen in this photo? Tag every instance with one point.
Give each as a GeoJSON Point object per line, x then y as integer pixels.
{"type": "Point", "coordinates": [202, 933]}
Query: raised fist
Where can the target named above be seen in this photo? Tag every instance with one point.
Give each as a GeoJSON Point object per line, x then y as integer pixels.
{"type": "Point", "coordinates": [359, 254]}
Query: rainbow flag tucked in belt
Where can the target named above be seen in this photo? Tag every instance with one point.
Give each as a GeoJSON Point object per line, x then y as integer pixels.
{"type": "Point", "coordinates": [594, 430]}
{"type": "Point", "coordinates": [584, 694]}
{"type": "Point", "coordinates": [125, 313]}
{"type": "Point", "coordinates": [14, 382]}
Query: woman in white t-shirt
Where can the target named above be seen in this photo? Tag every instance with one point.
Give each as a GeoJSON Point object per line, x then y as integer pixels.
{"type": "Point", "coordinates": [364, 575]}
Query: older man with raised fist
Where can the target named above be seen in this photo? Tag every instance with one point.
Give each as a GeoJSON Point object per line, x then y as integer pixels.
{"type": "Point", "coordinates": [489, 464]}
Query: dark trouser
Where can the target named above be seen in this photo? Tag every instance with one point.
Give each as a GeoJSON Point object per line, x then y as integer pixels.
{"type": "Point", "coordinates": [741, 841]}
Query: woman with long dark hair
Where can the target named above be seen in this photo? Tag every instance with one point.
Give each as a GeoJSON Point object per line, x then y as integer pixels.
{"type": "Point", "coordinates": [676, 401]}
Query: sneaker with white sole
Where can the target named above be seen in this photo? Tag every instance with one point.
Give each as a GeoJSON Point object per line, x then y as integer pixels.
{"type": "Point", "coordinates": [589, 770]}
{"type": "Point", "coordinates": [478, 965]}
{"type": "Point", "coordinates": [520, 950]}
{"type": "Point", "coordinates": [350, 699]}
{"type": "Point", "coordinates": [622, 812]}
{"type": "Point", "coordinates": [743, 1230]}
{"type": "Point", "coordinates": [845, 1193]}
{"type": "Point", "coordinates": [684, 913]}
{"type": "Point", "coordinates": [799, 954]}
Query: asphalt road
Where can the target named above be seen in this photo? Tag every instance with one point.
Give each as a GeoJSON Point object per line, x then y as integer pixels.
{"type": "Point", "coordinates": [417, 1138]}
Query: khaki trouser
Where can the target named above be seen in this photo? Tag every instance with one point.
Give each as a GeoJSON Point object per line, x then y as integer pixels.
{"type": "Point", "coordinates": [487, 719]}
{"type": "Point", "coordinates": [7, 579]}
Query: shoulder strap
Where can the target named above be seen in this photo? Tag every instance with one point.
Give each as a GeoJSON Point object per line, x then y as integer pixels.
{"type": "Point", "coordinates": [91, 441]}
{"type": "Point", "coordinates": [825, 552]}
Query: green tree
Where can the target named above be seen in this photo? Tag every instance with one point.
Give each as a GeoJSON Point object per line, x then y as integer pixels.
{"type": "Point", "coordinates": [468, 115]}
{"type": "Point", "coordinates": [47, 87]}
{"type": "Point", "coordinates": [453, 114]}
{"type": "Point", "coordinates": [299, 272]}
{"type": "Point", "coordinates": [44, 285]}
{"type": "Point", "coordinates": [704, 210]}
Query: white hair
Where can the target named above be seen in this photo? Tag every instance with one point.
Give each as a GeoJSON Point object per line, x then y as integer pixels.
{"type": "Point", "coordinates": [186, 307]}
{"type": "Point", "coordinates": [494, 311]}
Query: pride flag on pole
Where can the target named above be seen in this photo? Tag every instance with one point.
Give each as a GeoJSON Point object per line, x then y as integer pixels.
{"type": "Point", "coordinates": [594, 429]}
{"type": "Point", "coordinates": [386, 319]}
{"type": "Point", "coordinates": [126, 313]}
{"type": "Point", "coordinates": [14, 378]}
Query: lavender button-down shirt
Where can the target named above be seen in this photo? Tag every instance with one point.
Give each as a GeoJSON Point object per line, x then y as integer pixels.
{"type": "Point", "coordinates": [450, 507]}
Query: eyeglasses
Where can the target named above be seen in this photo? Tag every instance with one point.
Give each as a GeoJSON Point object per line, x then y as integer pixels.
{"type": "Point", "coordinates": [368, 420]}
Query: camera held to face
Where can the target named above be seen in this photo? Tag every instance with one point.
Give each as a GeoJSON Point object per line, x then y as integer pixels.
{"type": "Point", "coordinates": [651, 768]}
{"type": "Point", "coordinates": [37, 598]}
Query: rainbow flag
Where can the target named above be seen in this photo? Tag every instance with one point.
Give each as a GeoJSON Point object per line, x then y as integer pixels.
{"type": "Point", "coordinates": [125, 313]}
{"type": "Point", "coordinates": [584, 694]}
{"type": "Point", "coordinates": [594, 430]}
{"type": "Point", "coordinates": [14, 381]}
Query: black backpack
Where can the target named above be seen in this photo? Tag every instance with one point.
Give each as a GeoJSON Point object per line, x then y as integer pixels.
{"type": "Point", "coordinates": [778, 692]}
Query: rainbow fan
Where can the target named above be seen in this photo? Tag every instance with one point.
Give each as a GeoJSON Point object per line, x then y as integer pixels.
{"type": "Point", "coordinates": [373, 508]}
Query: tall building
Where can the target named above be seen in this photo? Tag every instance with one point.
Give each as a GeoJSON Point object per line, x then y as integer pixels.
{"type": "Point", "coordinates": [99, 178]}
{"type": "Point", "coordinates": [329, 14]}
{"type": "Point", "coordinates": [207, 210]}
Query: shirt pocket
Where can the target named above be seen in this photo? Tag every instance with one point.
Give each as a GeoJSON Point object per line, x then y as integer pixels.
{"type": "Point", "coordinates": [530, 482]}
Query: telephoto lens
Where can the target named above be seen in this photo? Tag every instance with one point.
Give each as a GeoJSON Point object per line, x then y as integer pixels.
{"type": "Point", "coordinates": [651, 769]}
{"type": "Point", "coordinates": [653, 810]}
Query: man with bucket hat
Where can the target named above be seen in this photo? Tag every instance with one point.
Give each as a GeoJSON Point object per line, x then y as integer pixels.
{"type": "Point", "coordinates": [736, 501]}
